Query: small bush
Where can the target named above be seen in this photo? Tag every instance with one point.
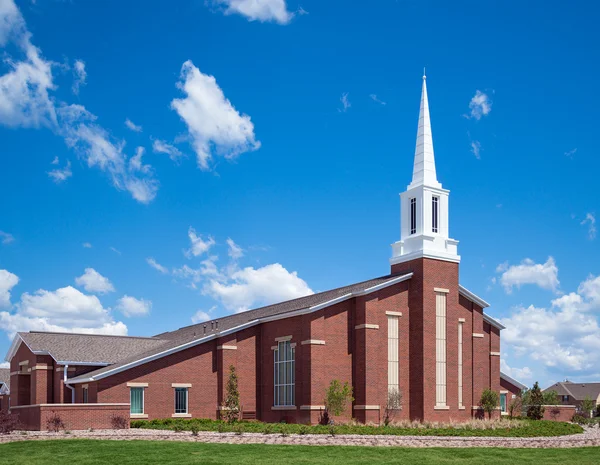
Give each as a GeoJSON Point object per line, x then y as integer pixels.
{"type": "Point", "coordinates": [535, 406]}
{"type": "Point", "coordinates": [489, 401]}
{"type": "Point", "coordinates": [178, 428]}
{"type": "Point", "coordinates": [304, 429]}
{"type": "Point", "coordinates": [221, 427]}
{"type": "Point", "coordinates": [195, 429]}
{"type": "Point", "coordinates": [118, 422]}
{"type": "Point", "coordinates": [55, 423]}
{"type": "Point", "coordinates": [393, 406]}
{"type": "Point", "coordinates": [268, 428]}
{"type": "Point", "coordinates": [238, 429]}
{"type": "Point", "coordinates": [8, 422]}
{"type": "Point", "coordinates": [324, 418]}
{"type": "Point", "coordinates": [285, 430]}
{"type": "Point", "coordinates": [332, 430]}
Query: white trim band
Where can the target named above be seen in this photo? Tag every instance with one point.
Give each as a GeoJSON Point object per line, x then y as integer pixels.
{"type": "Point", "coordinates": [442, 290]}
{"type": "Point", "coordinates": [312, 407]}
{"type": "Point", "coordinates": [477, 335]}
{"type": "Point", "coordinates": [181, 415]}
{"type": "Point", "coordinates": [137, 384]}
{"type": "Point", "coordinates": [366, 326]}
{"type": "Point", "coordinates": [393, 313]}
{"type": "Point", "coordinates": [314, 342]}
{"type": "Point", "coordinates": [283, 338]}
{"type": "Point", "coordinates": [284, 407]}
{"type": "Point", "coordinates": [224, 347]}
{"type": "Point", "coordinates": [495, 353]}
{"type": "Point", "coordinates": [181, 385]}
{"type": "Point", "coordinates": [367, 407]}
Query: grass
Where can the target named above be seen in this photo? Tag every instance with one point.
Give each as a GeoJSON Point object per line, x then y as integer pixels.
{"type": "Point", "coordinates": [479, 428]}
{"type": "Point", "coordinates": [89, 452]}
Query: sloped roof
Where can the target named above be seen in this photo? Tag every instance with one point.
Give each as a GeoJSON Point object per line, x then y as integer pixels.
{"type": "Point", "coordinates": [578, 391]}
{"type": "Point", "coordinates": [512, 381]}
{"type": "Point", "coordinates": [5, 376]}
{"type": "Point", "coordinates": [87, 348]}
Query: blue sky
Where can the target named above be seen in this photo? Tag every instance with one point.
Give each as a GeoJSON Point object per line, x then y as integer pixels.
{"type": "Point", "coordinates": [265, 149]}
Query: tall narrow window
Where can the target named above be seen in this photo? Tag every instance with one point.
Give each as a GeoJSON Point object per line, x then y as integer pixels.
{"type": "Point", "coordinates": [393, 361]}
{"type": "Point", "coordinates": [413, 216]}
{"type": "Point", "coordinates": [434, 213]}
{"type": "Point", "coordinates": [440, 349]}
{"type": "Point", "coordinates": [460, 363]}
{"type": "Point", "coordinates": [503, 402]}
{"type": "Point", "coordinates": [284, 374]}
{"type": "Point", "coordinates": [137, 400]}
{"type": "Point", "coordinates": [181, 400]}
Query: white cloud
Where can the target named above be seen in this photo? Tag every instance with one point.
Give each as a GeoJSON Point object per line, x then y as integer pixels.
{"type": "Point", "coordinates": [86, 245]}
{"type": "Point", "coordinates": [235, 251]}
{"type": "Point", "coordinates": [476, 148]}
{"type": "Point", "coordinates": [345, 103]}
{"type": "Point", "coordinates": [160, 146]}
{"type": "Point", "coordinates": [63, 310]}
{"type": "Point", "coordinates": [250, 287]}
{"type": "Point", "coordinates": [130, 306]}
{"type": "Point", "coordinates": [214, 125]}
{"type": "Point", "coordinates": [563, 338]}
{"type": "Point", "coordinates": [520, 374]}
{"type": "Point", "coordinates": [94, 144]}
{"type": "Point", "coordinates": [79, 76]}
{"type": "Point", "coordinates": [480, 105]}
{"type": "Point", "coordinates": [60, 175]}
{"type": "Point", "coordinates": [157, 266]}
{"type": "Point", "coordinates": [570, 153]}
{"type": "Point", "coordinates": [376, 99]}
{"type": "Point", "coordinates": [261, 10]}
{"type": "Point", "coordinates": [6, 238]}
{"type": "Point", "coordinates": [544, 275]}
{"type": "Point", "coordinates": [590, 220]}
{"type": "Point", "coordinates": [198, 245]}
{"type": "Point", "coordinates": [56, 161]}
{"type": "Point", "coordinates": [201, 316]}
{"type": "Point", "coordinates": [8, 280]}
{"type": "Point", "coordinates": [5, 365]}
{"type": "Point", "coordinates": [131, 125]}
{"type": "Point", "coordinates": [94, 282]}
{"type": "Point", "coordinates": [118, 252]}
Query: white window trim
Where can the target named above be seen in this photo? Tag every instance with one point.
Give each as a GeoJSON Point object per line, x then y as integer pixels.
{"type": "Point", "coordinates": [441, 358]}
{"type": "Point", "coordinates": [393, 353]}
{"type": "Point", "coordinates": [143, 388]}
{"type": "Point", "coordinates": [187, 401]}
{"type": "Point", "coordinates": [276, 368]}
{"type": "Point", "coordinates": [461, 345]}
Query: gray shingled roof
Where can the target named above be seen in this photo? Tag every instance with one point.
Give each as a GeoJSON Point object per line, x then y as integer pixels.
{"type": "Point", "coordinates": [189, 333]}
{"type": "Point", "coordinates": [67, 347]}
{"type": "Point", "coordinates": [578, 391]}
{"type": "Point", "coordinates": [5, 376]}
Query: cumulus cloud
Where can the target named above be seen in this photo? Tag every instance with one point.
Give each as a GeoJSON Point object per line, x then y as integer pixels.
{"type": "Point", "coordinates": [544, 275]}
{"type": "Point", "coordinates": [157, 266]}
{"type": "Point", "coordinates": [59, 175]}
{"type": "Point", "coordinates": [198, 245]}
{"type": "Point", "coordinates": [520, 374]}
{"type": "Point", "coordinates": [94, 282]}
{"type": "Point", "coordinates": [63, 310]}
{"type": "Point", "coordinates": [480, 105]}
{"type": "Point", "coordinates": [79, 76]}
{"type": "Point", "coordinates": [250, 287]}
{"type": "Point", "coordinates": [6, 238]}
{"type": "Point", "coordinates": [235, 251]}
{"type": "Point", "coordinates": [8, 280]}
{"type": "Point", "coordinates": [132, 126]}
{"type": "Point", "coordinates": [590, 221]}
{"type": "Point", "coordinates": [562, 337]}
{"type": "Point", "coordinates": [201, 316]}
{"type": "Point", "coordinates": [259, 10]}
{"type": "Point", "coordinates": [345, 103]}
{"type": "Point", "coordinates": [160, 146]}
{"type": "Point", "coordinates": [215, 127]}
{"type": "Point", "coordinates": [130, 306]}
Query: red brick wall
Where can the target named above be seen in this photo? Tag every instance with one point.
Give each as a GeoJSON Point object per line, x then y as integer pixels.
{"type": "Point", "coordinates": [511, 388]}
{"type": "Point", "coordinates": [4, 401]}
{"type": "Point", "coordinates": [74, 416]}
{"type": "Point", "coordinates": [559, 412]}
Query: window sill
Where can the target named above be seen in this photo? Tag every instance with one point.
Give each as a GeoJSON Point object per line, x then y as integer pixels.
{"type": "Point", "coordinates": [441, 407]}
{"type": "Point", "coordinates": [462, 407]}
{"type": "Point", "coordinates": [138, 415]}
{"type": "Point", "coordinates": [284, 407]}
{"type": "Point", "coordinates": [181, 415]}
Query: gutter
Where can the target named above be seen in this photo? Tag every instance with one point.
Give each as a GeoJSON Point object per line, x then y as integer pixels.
{"type": "Point", "coordinates": [68, 385]}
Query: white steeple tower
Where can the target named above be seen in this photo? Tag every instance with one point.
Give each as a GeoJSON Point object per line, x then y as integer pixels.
{"type": "Point", "coordinates": [424, 229]}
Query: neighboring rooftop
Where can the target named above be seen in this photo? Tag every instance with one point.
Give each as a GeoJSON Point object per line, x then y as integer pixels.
{"type": "Point", "coordinates": [5, 376]}
{"type": "Point", "coordinates": [577, 391]}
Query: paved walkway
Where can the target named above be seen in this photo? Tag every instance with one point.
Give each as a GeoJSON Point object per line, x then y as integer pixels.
{"type": "Point", "coordinates": [591, 437]}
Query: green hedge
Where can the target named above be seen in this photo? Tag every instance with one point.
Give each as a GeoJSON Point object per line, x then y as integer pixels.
{"type": "Point", "coordinates": [525, 428]}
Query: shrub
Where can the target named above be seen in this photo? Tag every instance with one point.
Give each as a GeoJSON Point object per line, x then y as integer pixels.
{"type": "Point", "coordinates": [535, 407]}
{"type": "Point", "coordinates": [231, 404]}
{"type": "Point", "coordinates": [8, 422]}
{"type": "Point", "coordinates": [393, 405]}
{"type": "Point", "coordinates": [324, 417]}
{"type": "Point", "coordinates": [489, 401]}
{"type": "Point", "coordinates": [551, 398]}
{"type": "Point", "coordinates": [238, 429]}
{"type": "Point", "coordinates": [118, 422]}
{"type": "Point", "coordinates": [55, 423]}
{"type": "Point", "coordinates": [195, 429]}
{"type": "Point", "coordinates": [337, 398]}
{"type": "Point", "coordinates": [221, 427]}
{"type": "Point", "coordinates": [268, 428]}
{"type": "Point", "coordinates": [285, 430]}
{"type": "Point", "coordinates": [178, 427]}
{"type": "Point", "coordinates": [587, 405]}
{"type": "Point", "coordinates": [332, 430]}
{"type": "Point", "coordinates": [304, 429]}
{"type": "Point", "coordinates": [515, 406]}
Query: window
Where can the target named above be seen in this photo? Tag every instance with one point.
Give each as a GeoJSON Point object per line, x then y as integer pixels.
{"type": "Point", "coordinates": [181, 400]}
{"type": "Point", "coordinates": [284, 373]}
{"type": "Point", "coordinates": [393, 362]}
{"type": "Point", "coordinates": [85, 395]}
{"type": "Point", "coordinates": [565, 398]}
{"type": "Point", "coordinates": [440, 349]}
{"type": "Point", "coordinates": [460, 364]}
{"type": "Point", "coordinates": [137, 400]}
{"type": "Point", "coordinates": [503, 402]}
{"type": "Point", "coordinates": [434, 213]}
{"type": "Point", "coordinates": [413, 216]}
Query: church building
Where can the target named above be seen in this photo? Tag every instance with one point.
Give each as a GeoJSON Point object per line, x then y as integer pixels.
{"type": "Point", "coordinates": [415, 331]}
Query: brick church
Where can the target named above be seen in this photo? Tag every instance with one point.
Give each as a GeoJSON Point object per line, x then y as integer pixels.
{"type": "Point", "coordinates": [415, 331]}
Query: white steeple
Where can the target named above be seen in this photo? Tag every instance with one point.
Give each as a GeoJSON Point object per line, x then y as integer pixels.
{"type": "Point", "coordinates": [424, 228]}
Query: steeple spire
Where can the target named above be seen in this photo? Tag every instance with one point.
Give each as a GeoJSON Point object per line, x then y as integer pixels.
{"type": "Point", "coordinates": [424, 165]}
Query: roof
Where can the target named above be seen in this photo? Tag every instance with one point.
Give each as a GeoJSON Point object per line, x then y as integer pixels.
{"type": "Point", "coordinates": [512, 381]}
{"type": "Point", "coordinates": [577, 391]}
{"type": "Point", "coordinates": [5, 376]}
{"type": "Point", "coordinates": [87, 348]}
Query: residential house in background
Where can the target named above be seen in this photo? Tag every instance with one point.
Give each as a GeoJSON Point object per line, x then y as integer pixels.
{"type": "Point", "coordinates": [570, 393]}
{"type": "Point", "coordinates": [4, 389]}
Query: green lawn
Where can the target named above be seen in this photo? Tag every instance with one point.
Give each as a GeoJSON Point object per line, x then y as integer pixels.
{"type": "Point", "coordinates": [83, 452]}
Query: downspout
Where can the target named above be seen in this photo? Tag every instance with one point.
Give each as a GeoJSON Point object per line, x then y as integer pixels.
{"type": "Point", "coordinates": [68, 385]}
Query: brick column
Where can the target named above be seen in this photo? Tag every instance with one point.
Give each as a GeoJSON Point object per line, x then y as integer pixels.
{"type": "Point", "coordinates": [226, 356]}
{"type": "Point", "coordinates": [481, 357]}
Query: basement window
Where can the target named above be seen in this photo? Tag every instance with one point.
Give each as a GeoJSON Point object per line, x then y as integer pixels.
{"type": "Point", "coordinates": [413, 215]}
{"type": "Point", "coordinates": [284, 374]}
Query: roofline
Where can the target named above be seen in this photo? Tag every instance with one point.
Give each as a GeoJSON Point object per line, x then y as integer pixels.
{"type": "Point", "coordinates": [469, 295]}
{"type": "Point", "coordinates": [246, 325]}
{"type": "Point", "coordinates": [492, 321]}
{"type": "Point", "coordinates": [505, 377]}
